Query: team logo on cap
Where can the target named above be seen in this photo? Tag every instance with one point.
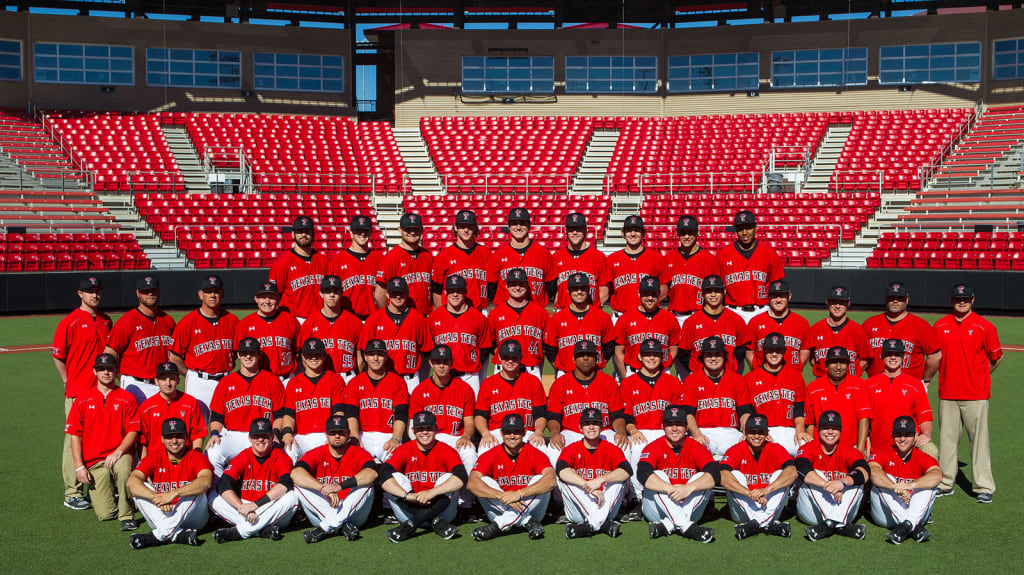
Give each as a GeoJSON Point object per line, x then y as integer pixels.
{"type": "Point", "coordinates": [648, 283]}
{"type": "Point", "coordinates": [148, 280]}
{"type": "Point", "coordinates": [960, 289]}
{"type": "Point", "coordinates": [742, 217]}
{"type": "Point", "coordinates": [421, 419]}
{"type": "Point", "coordinates": [259, 425]}
{"type": "Point", "coordinates": [675, 411]}
{"type": "Point", "coordinates": [575, 218]}
{"type": "Point", "coordinates": [172, 424]}
{"type": "Point", "coordinates": [92, 280]}
{"type": "Point", "coordinates": [212, 279]}
{"type": "Point", "coordinates": [839, 291]}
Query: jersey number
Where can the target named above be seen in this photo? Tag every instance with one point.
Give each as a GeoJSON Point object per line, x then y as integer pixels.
{"type": "Point", "coordinates": [410, 361]}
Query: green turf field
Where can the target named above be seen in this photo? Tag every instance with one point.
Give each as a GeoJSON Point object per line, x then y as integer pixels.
{"type": "Point", "coordinates": [39, 535]}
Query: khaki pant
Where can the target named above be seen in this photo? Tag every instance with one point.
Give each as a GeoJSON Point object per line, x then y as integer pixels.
{"type": "Point", "coordinates": [108, 481]}
{"type": "Point", "coordinates": [953, 417]}
{"type": "Point", "coordinates": [72, 488]}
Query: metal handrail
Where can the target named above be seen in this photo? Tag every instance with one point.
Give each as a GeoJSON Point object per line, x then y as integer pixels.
{"type": "Point", "coordinates": [926, 172]}
{"type": "Point", "coordinates": [877, 183]}
{"type": "Point", "coordinates": [499, 183]}
{"type": "Point", "coordinates": [688, 182]}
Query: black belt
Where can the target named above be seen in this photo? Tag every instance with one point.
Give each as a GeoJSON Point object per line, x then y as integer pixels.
{"type": "Point", "coordinates": [142, 379]}
{"type": "Point", "coordinates": [745, 307]}
{"type": "Point", "coordinates": [209, 376]}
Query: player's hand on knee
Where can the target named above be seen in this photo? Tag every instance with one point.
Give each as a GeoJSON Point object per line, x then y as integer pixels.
{"type": "Point", "coordinates": [488, 441]}
{"type": "Point", "coordinates": [112, 459]}
{"type": "Point", "coordinates": [802, 438]}
{"type": "Point", "coordinates": [214, 440]}
{"type": "Point", "coordinates": [621, 440]}
{"type": "Point", "coordinates": [557, 441]}
{"type": "Point", "coordinates": [638, 437]}
{"type": "Point", "coordinates": [463, 442]}
{"type": "Point", "coordinates": [390, 445]}
{"type": "Point", "coordinates": [83, 476]}
{"type": "Point", "coordinates": [702, 439]}
{"type": "Point", "coordinates": [536, 439]}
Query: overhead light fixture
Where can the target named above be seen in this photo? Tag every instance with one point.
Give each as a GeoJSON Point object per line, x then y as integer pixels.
{"type": "Point", "coordinates": [107, 89]}
{"type": "Point", "coordinates": [753, 93]}
{"type": "Point", "coordinates": [905, 88]}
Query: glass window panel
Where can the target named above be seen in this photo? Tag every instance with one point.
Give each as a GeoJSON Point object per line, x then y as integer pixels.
{"type": "Point", "coordinates": [724, 71]}
{"type": "Point", "coordinates": [229, 56]}
{"type": "Point", "coordinates": [782, 68]}
{"type": "Point", "coordinates": [891, 52]}
{"type": "Point", "coordinates": [46, 61]}
{"type": "Point", "coordinates": [831, 67]}
{"type": "Point", "coordinates": [472, 61]}
{"type": "Point", "coordinates": [941, 76]}
{"type": "Point", "coordinates": [721, 59]}
{"type": "Point", "coordinates": [916, 76]}
{"type": "Point", "coordinates": [543, 62]}
{"type": "Point", "coordinates": [70, 49]}
{"type": "Point", "coordinates": [70, 76]}
{"type": "Point", "coordinates": [919, 50]}
{"type": "Point", "coordinates": [101, 51]}
{"type": "Point", "coordinates": [182, 80]}
{"type": "Point", "coordinates": [158, 53]}
{"type": "Point", "coordinates": [783, 81]}
{"type": "Point", "coordinates": [310, 85]}
{"type": "Point", "coordinates": [10, 60]}
{"type": "Point", "coordinates": [97, 64]}
{"type": "Point", "coordinates": [123, 65]}
{"type": "Point", "coordinates": [1005, 58]}
{"type": "Point", "coordinates": [703, 84]}
{"type": "Point", "coordinates": [182, 67]}
{"type": "Point", "coordinates": [472, 85]}
{"type": "Point", "coordinates": [969, 48]}
{"type": "Point", "coordinates": [702, 60]}
{"type": "Point", "coordinates": [807, 68]}
{"type": "Point", "coordinates": [332, 86]}
{"type": "Point", "coordinates": [806, 55]}
{"type": "Point", "coordinates": [831, 54]}
{"type": "Point", "coordinates": [69, 62]}
{"type": "Point", "coordinates": [917, 63]}
{"type": "Point", "coordinates": [287, 84]}
{"type": "Point", "coordinates": [309, 60]}
{"type": "Point", "coordinates": [519, 85]}
{"type": "Point", "coordinates": [156, 66]}
{"type": "Point", "coordinates": [519, 74]}
{"type": "Point", "coordinates": [181, 55]}
{"type": "Point", "coordinates": [46, 75]}
{"type": "Point", "coordinates": [806, 80]}
{"type": "Point", "coordinates": [496, 86]}
{"type": "Point", "coordinates": [544, 74]}
{"type": "Point", "coordinates": [971, 75]}
{"type": "Point", "coordinates": [890, 77]}
{"type": "Point", "coordinates": [942, 62]}
{"type": "Point", "coordinates": [10, 73]}
{"type": "Point", "coordinates": [831, 79]}
{"type": "Point", "coordinates": [518, 62]}
{"type": "Point", "coordinates": [857, 78]}
{"type": "Point", "coordinates": [890, 65]}
{"type": "Point", "coordinates": [309, 72]}
{"type": "Point", "coordinates": [156, 79]}
{"type": "Point", "coordinates": [97, 77]}
{"type": "Point", "coordinates": [206, 68]}
{"type": "Point", "coordinates": [49, 49]}
{"type": "Point", "coordinates": [599, 61]}
{"type": "Point", "coordinates": [332, 61]}
{"type": "Point", "coordinates": [726, 83]}
{"type": "Point", "coordinates": [782, 56]}
{"type": "Point", "coordinates": [263, 58]}
{"type": "Point", "coordinates": [968, 61]}
{"type": "Point", "coordinates": [943, 49]}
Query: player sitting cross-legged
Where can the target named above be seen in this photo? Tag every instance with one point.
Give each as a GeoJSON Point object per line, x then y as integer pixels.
{"type": "Point", "coordinates": [903, 481]}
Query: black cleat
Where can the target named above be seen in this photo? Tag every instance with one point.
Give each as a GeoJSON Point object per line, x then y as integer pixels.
{"type": "Point", "coordinates": [225, 534]}
{"type": "Point", "coordinates": [563, 519]}
{"type": "Point", "coordinates": [390, 519]}
{"type": "Point", "coordinates": [656, 529]}
{"type": "Point", "coordinates": [487, 532]}
{"type": "Point", "coordinates": [921, 534]}
{"type": "Point", "coordinates": [129, 525]}
{"type": "Point", "coordinates": [778, 529]}
{"type": "Point", "coordinates": [350, 531]}
{"type": "Point", "coordinates": [851, 530]}
{"type": "Point", "coordinates": [578, 530]}
{"type": "Point", "coordinates": [77, 503]}
{"type": "Point", "coordinates": [402, 532]}
{"type": "Point", "coordinates": [747, 529]}
{"type": "Point", "coordinates": [943, 492]}
{"type": "Point", "coordinates": [188, 537]}
{"type": "Point", "coordinates": [315, 535]}
{"type": "Point", "coordinates": [611, 528]}
{"type": "Point", "coordinates": [534, 529]}
{"type": "Point", "coordinates": [444, 529]}
{"type": "Point", "coordinates": [900, 533]}
{"type": "Point", "coordinates": [699, 533]}
{"type": "Point", "coordinates": [272, 532]}
{"type": "Point", "coordinates": [143, 540]}
{"type": "Point", "coordinates": [817, 532]}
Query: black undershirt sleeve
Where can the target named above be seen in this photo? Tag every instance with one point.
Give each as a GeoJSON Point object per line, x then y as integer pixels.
{"type": "Point", "coordinates": [550, 352]}
{"type": "Point", "coordinates": [803, 466]}
{"type": "Point", "coordinates": [560, 465]}
{"type": "Point", "coordinates": [551, 288]}
{"type": "Point", "coordinates": [723, 466]}
{"type": "Point", "coordinates": [689, 410]}
{"type": "Point", "coordinates": [218, 417]}
{"type": "Point", "coordinates": [746, 408]}
{"type": "Point", "coordinates": [228, 483]}
{"type": "Point", "coordinates": [629, 419]}
{"type": "Point", "coordinates": [626, 466]}
{"type": "Point", "coordinates": [485, 354]}
{"type": "Point", "coordinates": [552, 416]}
{"type": "Point", "coordinates": [305, 466]}
{"type": "Point", "coordinates": [338, 408]}
{"type": "Point", "coordinates": [286, 480]}
{"type": "Point", "coordinates": [788, 463]}
{"type": "Point", "coordinates": [482, 413]}
{"type": "Point", "coordinates": [643, 471]}
{"type": "Point", "coordinates": [619, 414]}
{"type": "Point", "coordinates": [350, 410]}
{"type": "Point", "coordinates": [608, 349]}
{"type": "Point", "coordinates": [798, 409]}
{"type": "Point", "coordinates": [386, 471]}
{"type": "Point", "coordinates": [436, 288]}
{"type": "Point", "coordinates": [402, 412]}
{"type": "Point", "coordinates": [460, 472]}
{"type": "Point", "coordinates": [683, 356]}
{"type": "Point", "coordinates": [492, 290]}
{"type": "Point", "coordinates": [740, 353]}
{"type": "Point", "coordinates": [540, 411]}
{"type": "Point", "coordinates": [714, 471]}
{"type": "Point", "coordinates": [278, 414]}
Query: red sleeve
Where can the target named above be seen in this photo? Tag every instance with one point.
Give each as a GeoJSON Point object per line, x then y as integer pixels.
{"type": "Point", "coordinates": [548, 265]}
{"type": "Point", "coordinates": [675, 333]}
{"type": "Point", "coordinates": [743, 338]}
{"type": "Point", "coordinates": [282, 463]}
{"type": "Point", "coordinates": [350, 396]}
{"type": "Point", "coordinates": [360, 458]}
{"type": "Point", "coordinates": [437, 271]}
{"type": "Point", "coordinates": [401, 393]}
{"type": "Point", "coordinates": [450, 458]}
{"type": "Point", "coordinates": [131, 415]}
{"type": "Point", "coordinates": [385, 271]}
{"type": "Point", "coordinates": [800, 393]}
{"type": "Point", "coordinates": [60, 342]}
{"type": "Point", "coordinates": [146, 465]}
{"type": "Point", "coordinates": [276, 393]}
{"type": "Point", "coordinates": [119, 336]}
{"type": "Point", "coordinates": [289, 396]}
{"type": "Point", "coordinates": [603, 274]}
{"type": "Point", "coordinates": [196, 424]}
{"type": "Point", "coordinates": [278, 274]}
{"type": "Point", "coordinates": [237, 465]}
{"type": "Point", "coordinates": [732, 457]}
{"type": "Point", "coordinates": [922, 407]}
{"type": "Point", "coordinates": [863, 405]}
{"type": "Point", "coordinates": [426, 338]}
{"type": "Point", "coordinates": [607, 328]}
{"type": "Point", "coordinates": [615, 402]}
{"type": "Point", "coordinates": [551, 335]}
{"type": "Point", "coordinates": [863, 347]}
{"type": "Point", "coordinates": [400, 456]}
{"type": "Point", "coordinates": [742, 392]}
{"type": "Point", "coordinates": [366, 333]}
{"type": "Point", "coordinates": [808, 342]}
{"type": "Point", "coordinates": [467, 401]}
{"type": "Point", "coordinates": [486, 339]}
{"type": "Point", "coordinates": [619, 330]}
{"type": "Point", "coordinates": [992, 345]}
{"type": "Point", "coordinates": [702, 456]}
{"type": "Point", "coordinates": [810, 417]}
{"type": "Point", "coordinates": [687, 397]}
{"type": "Point", "coordinates": [686, 335]}
{"type": "Point", "coordinates": [416, 400]}
{"type": "Point", "coordinates": [555, 397]}
{"type": "Point", "coordinates": [485, 463]}
{"type": "Point", "coordinates": [199, 462]}
{"type": "Point", "coordinates": [539, 397]}
{"type": "Point", "coordinates": [179, 338]}
{"type": "Point", "coordinates": [613, 456]}
{"type": "Point", "coordinates": [217, 401]}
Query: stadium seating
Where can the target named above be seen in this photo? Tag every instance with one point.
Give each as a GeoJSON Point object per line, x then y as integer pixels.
{"type": "Point", "coordinates": [65, 252]}
{"type": "Point", "coordinates": [956, 209]}
{"type": "Point", "coordinates": [993, 136]}
{"type": "Point", "coordinates": [46, 210]}
{"type": "Point", "coordinates": [26, 142]}
{"type": "Point", "coordinates": [1001, 250]}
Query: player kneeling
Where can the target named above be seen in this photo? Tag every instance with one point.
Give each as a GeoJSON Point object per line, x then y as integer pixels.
{"type": "Point", "coordinates": [513, 483]}
{"type": "Point", "coordinates": [677, 473]}
{"type": "Point", "coordinates": [169, 487]}
{"type": "Point", "coordinates": [255, 492]}
{"type": "Point", "coordinates": [334, 483]}
{"type": "Point", "coordinates": [834, 474]}
{"type": "Point", "coordinates": [757, 477]}
{"type": "Point", "coordinates": [904, 479]}
{"type": "Point", "coordinates": [592, 474]}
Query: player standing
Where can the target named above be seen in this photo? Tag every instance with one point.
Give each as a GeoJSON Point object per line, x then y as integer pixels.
{"type": "Point", "coordinates": [464, 330]}
{"type": "Point", "coordinates": [276, 329]}
{"type": "Point", "coordinates": [686, 268]}
{"type": "Point", "coordinates": [578, 256]}
{"type": "Point", "coordinates": [337, 327]}
{"type": "Point", "coordinates": [79, 338]}
{"type": "Point", "coordinates": [297, 272]}
{"type": "Point", "coordinates": [410, 261]}
{"type": "Point", "coordinates": [713, 319]}
{"type": "Point", "coordinates": [522, 252]}
{"type": "Point", "coordinates": [581, 321]}
{"type": "Point", "coordinates": [464, 258]}
{"type": "Point", "coordinates": [748, 266]}
{"type": "Point", "coordinates": [313, 395]}
{"type": "Point", "coordinates": [405, 332]}
{"type": "Point", "coordinates": [630, 265]}
{"type": "Point", "coordinates": [778, 391]}
{"type": "Point", "coordinates": [922, 347]}
{"type": "Point", "coordinates": [520, 319]}
{"type": "Point", "coordinates": [778, 319]}
{"type": "Point", "coordinates": [357, 266]}
{"type": "Point", "coordinates": [842, 393]}
{"type": "Point", "coordinates": [645, 321]}
{"type": "Point", "coordinates": [836, 330]}
{"type": "Point", "coordinates": [170, 402]}
{"type": "Point", "coordinates": [140, 339]}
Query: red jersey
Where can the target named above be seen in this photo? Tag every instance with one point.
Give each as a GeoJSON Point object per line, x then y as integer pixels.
{"type": "Point", "coordinates": [635, 326]}
{"type": "Point", "coordinates": [592, 464]}
{"type": "Point", "coordinates": [916, 334]}
{"type": "Point", "coordinates": [727, 325]}
{"type": "Point", "coordinates": [141, 342]}
{"type": "Point", "coordinates": [679, 466]}
{"type": "Point", "coordinates": [747, 274]}
{"type": "Point", "coordinates": [163, 475]}
{"type": "Point", "coordinates": [589, 262]}
{"type": "Point", "coordinates": [471, 265]}
{"type": "Point", "coordinates": [793, 327]}
{"type": "Point", "coordinates": [466, 334]}
{"type": "Point", "coordinates": [849, 335]}
{"type": "Point", "coordinates": [358, 274]}
{"type": "Point", "coordinates": [499, 397]}
{"type": "Point", "coordinates": [903, 471]}
{"type": "Point", "coordinates": [416, 267]}
{"type": "Point", "coordinates": [835, 466]}
{"type": "Point", "coordinates": [891, 398]}
{"type": "Point", "coordinates": [625, 271]}
{"type": "Point", "coordinates": [374, 403]}
{"type": "Point", "coordinates": [258, 478]}
{"type": "Point", "coordinates": [525, 325]}
{"type": "Point", "coordinates": [102, 422]}
{"type": "Point", "coordinates": [340, 336]}
{"type": "Point", "coordinates": [967, 348]}
{"type": "Point", "coordinates": [155, 410]}
{"type": "Point", "coordinates": [298, 279]}
{"type": "Point", "coordinates": [645, 400]}
{"type": "Point", "coordinates": [758, 470]}
{"type": "Point", "coordinates": [535, 260]}
{"type": "Point", "coordinates": [568, 398]}
{"type": "Point", "coordinates": [424, 468]}
{"type": "Point", "coordinates": [566, 328]}
{"type": "Point", "coordinates": [207, 345]}
{"type": "Point", "coordinates": [685, 274]}
{"type": "Point", "coordinates": [777, 395]}
{"type": "Point", "coordinates": [240, 400]}
{"type": "Point", "coordinates": [848, 399]}
{"type": "Point", "coordinates": [716, 403]}
{"type": "Point", "coordinates": [314, 401]}
{"type": "Point", "coordinates": [79, 338]}
{"type": "Point", "coordinates": [450, 404]}
{"type": "Point", "coordinates": [322, 465]}
{"type": "Point", "coordinates": [278, 340]}
{"type": "Point", "coordinates": [407, 339]}
{"type": "Point", "coordinates": [512, 473]}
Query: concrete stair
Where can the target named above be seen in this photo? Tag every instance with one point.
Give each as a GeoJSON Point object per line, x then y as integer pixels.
{"type": "Point", "coordinates": [423, 177]}
{"type": "Point", "coordinates": [589, 178]}
{"type": "Point", "coordinates": [188, 161]}
{"type": "Point", "coordinates": [389, 210]}
{"type": "Point", "coordinates": [825, 160]}
{"type": "Point", "coordinates": [854, 254]}
{"type": "Point", "coordinates": [622, 207]}
{"type": "Point", "coordinates": [162, 256]}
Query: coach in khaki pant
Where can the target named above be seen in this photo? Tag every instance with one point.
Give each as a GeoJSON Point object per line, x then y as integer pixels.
{"type": "Point", "coordinates": [103, 424]}
{"type": "Point", "coordinates": [970, 353]}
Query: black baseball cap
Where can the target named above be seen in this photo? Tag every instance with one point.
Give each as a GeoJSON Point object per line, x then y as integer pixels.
{"type": "Point", "coordinates": [167, 368]}
{"type": "Point", "coordinates": [397, 284]}
{"type": "Point", "coordinates": [756, 423]}
{"type": "Point", "coordinates": [674, 414]}
{"type": "Point", "coordinates": [651, 345]}
{"type": "Point", "coordinates": [744, 218]}
{"type": "Point", "coordinates": [105, 360]}
{"type": "Point", "coordinates": [410, 220]}
{"type": "Point", "coordinates": [774, 340]}
{"type": "Point", "coordinates": [465, 218]}
{"type": "Point", "coordinates": [687, 223]}
{"type": "Point", "coordinates": [147, 282]}
{"type": "Point", "coordinates": [830, 419]}
{"type": "Point", "coordinates": [303, 223]}
{"type": "Point", "coordinates": [441, 352]}
{"type": "Point", "coordinates": [778, 286]}
{"type": "Point", "coordinates": [248, 345]}
{"type": "Point", "coordinates": [591, 415]}
{"type": "Point", "coordinates": [838, 292]}
{"type": "Point", "coordinates": [519, 215]}
{"type": "Point", "coordinates": [959, 291]}
{"type": "Point", "coordinates": [893, 345]}
{"type": "Point", "coordinates": [578, 280]}
{"type": "Point", "coordinates": [584, 347]}
{"type": "Point", "coordinates": [649, 284]}
{"type": "Point", "coordinates": [897, 289]}
{"type": "Point", "coordinates": [267, 288]}
{"type": "Point", "coordinates": [90, 282]}
{"type": "Point", "coordinates": [713, 344]}
{"type": "Point", "coordinates": [313, 345]}
{"type": "Point", "coordinates": [712, 282]}
{"type": "Point", "coordinates": [423, 419]}
{"type": "Point", "coordinates": [261, 426]}
{"type": "Point", "coordinates": [517, 276]}
{"type": "Point", "coordinates": [173, 426]}
{"type": "Point", "coordinates": [455, 283]}
{"type": "Point", "coordinates": [904, 425]}
{"type": "Point", "coordinates": [510, 349]}
{"type": "Point", "coordinates": [575, 220]}
{"type": "Point", "coordinates": [330, 283]}
{"type": "Point", "coordinates": [633, 222]}
{"type": "Point", "coordinates": [375, 346]}
{"type": "Point", "coordinates": [336, 423]}
{"type": "Point", "coordinates": [512, 422]}
{"type": "Point", "coordinates": [360, 222]}
{"type": "Point", "coordinates": [837, 353]}
{"type": "Point", "coordinates": [211, 282]}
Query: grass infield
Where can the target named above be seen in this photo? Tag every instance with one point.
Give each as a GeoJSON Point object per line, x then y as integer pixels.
{"type": "Point", "coordinates": [38, 535]}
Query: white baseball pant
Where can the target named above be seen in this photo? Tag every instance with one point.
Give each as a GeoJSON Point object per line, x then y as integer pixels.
{"type": "Point", "coordinates": [141, 389]}
{"type": "Point", "coordinates": [404, 512]}
{"type": "Point", "coordinates": [411, 381]}
{"type": "Point", "coordinates": [202, 389]}
{"type": "Point", "coordinates": [373, 441]}
{"type": "Point", "coordinates": [570, 437]}
{"type": "Point", "coordinates": [279, 512]}
{"type": "Point", "coordinates": [472, 380]}
{"type": "Point", "coordinates": [675, 516]}
{"type": "Point", "coordinates": [505, 517]}
{"type": "Point", "coordinates": [188, 513]}
{"type": "Point", "coordinates": [749, 315]}
{"type": "Point", "coordinates": [582, 507]}
{"type": "Point", "coordinates": [888, 510]}
{"type": "Point", "coordinates": [304, 443]}
{"type": "Point", "coordinates": [720, 439]}
{"type": "Point", "coordinates": [786, 437]}
{"type": "Point", "coordinates": [682, 317]}
{"type": "Point", "coordinates": [633, 453]}
{"type": "Point", "coordinates": [231, 444]}
{"type": "Point", "coordinates": [743, 509]}
{"type": "Point", "coordinates": [354, 508]}
{"type": "Point", "coordinates": [814, 505]}
{"type": "Point", "coordinates": [468, 456]}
